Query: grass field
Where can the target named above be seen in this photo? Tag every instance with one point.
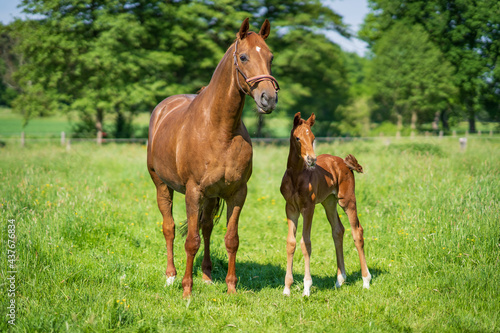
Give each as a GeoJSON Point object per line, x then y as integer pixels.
{"type": "Point", "coordinates": [91, 255]}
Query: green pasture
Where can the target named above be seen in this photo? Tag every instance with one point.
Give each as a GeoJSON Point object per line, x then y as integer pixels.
{"type": "Point", "coordinates": [91, 256]}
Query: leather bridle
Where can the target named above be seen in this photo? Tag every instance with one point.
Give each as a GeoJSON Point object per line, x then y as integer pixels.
{"type": "Point", "coordinates": [254, 79]}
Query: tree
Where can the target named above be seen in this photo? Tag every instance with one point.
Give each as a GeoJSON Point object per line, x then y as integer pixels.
{"type": "Point", "coordinates": [108, 58]}
{"type": "Point", "coordinates": [9, 61]}
{"type": "Point", "coordinates": [466, 32]}
{"type": "Point", "coordinates": [409, 76]}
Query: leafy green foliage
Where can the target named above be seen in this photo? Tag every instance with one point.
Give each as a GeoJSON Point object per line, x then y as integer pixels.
{"type": "Point", "coordinates": [119, 58]}
{"type": "Point", "coordinates": [467, 33]}
{"type": "Point", "coordinates": [409, 76]}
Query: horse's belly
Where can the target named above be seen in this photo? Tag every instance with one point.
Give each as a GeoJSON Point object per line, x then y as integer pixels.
{"type": "Point", "coordinates": [231, 171]}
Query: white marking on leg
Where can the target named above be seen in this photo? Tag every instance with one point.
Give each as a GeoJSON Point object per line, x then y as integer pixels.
{"type": "Point", "coordinates": [257, 48]}
{"type": "Point", "coordinates": [307, 287]}
{"type": "Point", "coordinates": [286, 291]}
{"type": "Point", "coordinates": [340, 280]}
{"type": "Point", "coordinates": [170, 281]}
{"type": "Point", "coordinates": [366, 281]}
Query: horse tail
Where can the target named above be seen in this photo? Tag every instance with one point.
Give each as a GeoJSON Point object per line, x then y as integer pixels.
{"type": "Point", "coordinates": [353, 164]}
{"type": "Point", "coordinates": [215, 216]}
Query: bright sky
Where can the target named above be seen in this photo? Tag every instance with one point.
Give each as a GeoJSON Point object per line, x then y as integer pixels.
{"type": "Point", "coordinates": [353, 12]}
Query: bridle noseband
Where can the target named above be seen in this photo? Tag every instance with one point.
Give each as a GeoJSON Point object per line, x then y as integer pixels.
{"type": "Point", "coordinates": [254, 79]}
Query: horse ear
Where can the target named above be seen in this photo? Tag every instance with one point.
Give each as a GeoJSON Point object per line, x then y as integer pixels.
{"type": "Point", "coordinates": [243, 29]}
{"type": "Point", "coordinates": [296, 120]}
{"type": "Point", "coordinates": [265, 29]}
{"type": "Point", "coordinates": [311, 120]}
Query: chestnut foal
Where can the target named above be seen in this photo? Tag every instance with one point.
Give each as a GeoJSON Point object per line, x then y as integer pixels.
{"type": "Point", "coordinates": [309, 181]}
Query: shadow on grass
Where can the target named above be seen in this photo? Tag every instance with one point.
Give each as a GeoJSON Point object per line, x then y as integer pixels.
{"type": "Point", "coordinates": [257, 276]}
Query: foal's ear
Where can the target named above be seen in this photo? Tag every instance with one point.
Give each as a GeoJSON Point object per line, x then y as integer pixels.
{"type": "Point", "coordinates": [265, 29]}
{"type": "Point", "coordinates": [311, 120]}
{"type": "Point", "coordinates": [243, 29]}
{"type": "Point", "coordinates": [296, 120]}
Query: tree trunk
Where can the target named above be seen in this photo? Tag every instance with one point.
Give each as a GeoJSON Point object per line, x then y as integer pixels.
{"type": "Point", "coordinates": [414, 120]}
{"type": "Point", "coordinates": [435, 123]}
{"type": "Point", "coordinates": [98, 126]}
{"type": "Point", "coordinates": [472, 122]}
{"type": "Point", "coordinates": [400, 122]}
{"type": "Point", "coordinates": [444, 120]}
{"type": "Point", "coordinates": [260, 125]}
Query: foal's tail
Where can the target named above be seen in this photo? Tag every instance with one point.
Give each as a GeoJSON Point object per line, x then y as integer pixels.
{"type": "Point", "coordinates": [353, 164]}
{"type": "Point", "coordinates": [216, 214]}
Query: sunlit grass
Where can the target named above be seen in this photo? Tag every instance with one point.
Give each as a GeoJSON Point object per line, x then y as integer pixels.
{"type": "Point", "coordinates": [91, 253]}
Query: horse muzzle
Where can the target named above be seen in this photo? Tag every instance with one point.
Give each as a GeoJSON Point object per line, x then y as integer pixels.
{"type": "Point", "coordinates": [310, 161]}
{"type": "Point", "coordinates": [266, 103]}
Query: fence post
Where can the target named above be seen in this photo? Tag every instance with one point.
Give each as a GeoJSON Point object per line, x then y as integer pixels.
{"type": "Point", "coordinates": [23, 139]}
{"type": "Point", "coordinates": [63, 138]}
{"type": "Point", "coordinates": [441, 134]}
{"type": "Point", "coordinates": [68, 145]}
{"type": "Point", "coordinates": [463, 143]}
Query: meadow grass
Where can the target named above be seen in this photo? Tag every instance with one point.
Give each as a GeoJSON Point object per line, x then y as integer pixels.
{"type": "Point", "coordinates": [91, 255]}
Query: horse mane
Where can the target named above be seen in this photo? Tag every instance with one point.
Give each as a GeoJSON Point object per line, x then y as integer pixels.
{"type": "Point", "coordinates": [353, 164]}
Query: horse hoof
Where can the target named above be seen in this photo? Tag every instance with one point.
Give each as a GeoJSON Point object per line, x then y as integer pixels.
{"type": "Point", "coordinates": [170, 281]}
{"type": "Point", "coordinates": [340, 280]}
{"type": "Point", "coordinates": [307, 287]}
{"type": "Point", "coordinates": [286, 292]}
{"type": "Point", "coordinates": [366, 281]}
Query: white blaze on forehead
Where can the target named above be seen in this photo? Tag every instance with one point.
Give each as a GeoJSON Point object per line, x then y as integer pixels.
{"type": "Point", "coordinates": [257, 48]}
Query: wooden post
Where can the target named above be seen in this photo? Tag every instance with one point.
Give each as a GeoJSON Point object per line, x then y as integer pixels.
{"type": "Point", "coordinates": [454, 133]}
{"type": "Point", "coordinates": [463, 143]}
{"type": "Point", "coordinates": [479, 133]}
{"type": "Point", "coordinates": [441, 134]}
{"type": "Point", "coordinates": [398, 134]}
{"type": "Point", "coordinates": [491, 132]}
{"type": "Point", "coordinates": [68, 145]}
{"type": "Point", "coordinates": [23, 139]}
{"type": "Point", "coordinates": [63, 138]}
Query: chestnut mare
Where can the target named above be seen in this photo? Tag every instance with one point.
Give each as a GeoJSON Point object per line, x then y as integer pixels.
{"type": "Point", "coordinates": [199, 146]}
{"type": "Point", "coordinates": [309, 181]}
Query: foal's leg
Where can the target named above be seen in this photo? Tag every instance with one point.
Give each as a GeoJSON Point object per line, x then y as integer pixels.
{"type": "Point", "coordinates": [330, 205]}
{"type": "Point", "coordinates": [349, 207]}
{"type": "Point", "coordinates": [164, 196]}
{"type": "Point", "coordinates": [193, 241]}
{"type": "Point", "coordinates": [234, 206]}
{"type": "Point", "coordinates": [206, 226]}
{"type": "Point", "coordinates": [292, 216]}
{"type": "Point", "coordinates": [305, 245]}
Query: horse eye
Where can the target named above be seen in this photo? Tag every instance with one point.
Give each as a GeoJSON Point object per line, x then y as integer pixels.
{"type": "Point", "coordinates": [243, 57]}
{"type": "Point", "coordinates": [272, 58]}
{"type": "Point", "coordinates": [298, 139]}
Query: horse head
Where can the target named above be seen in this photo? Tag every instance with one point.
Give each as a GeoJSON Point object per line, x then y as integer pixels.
{"type": "Point", "coordinates": [303, 139]}
{"type": "Point", "coordinates": [252, 62]}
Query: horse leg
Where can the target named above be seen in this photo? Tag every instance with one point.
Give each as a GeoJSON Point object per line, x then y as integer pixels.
{"type": "Point", "coordinates": [292, 216]}
{"type": "Point", "coordinates": [234, 206]}
{"type": "Point", "coordinates": [330, 205]}
{"type": "Point", "coordinates": [305, 245]}
{"type": "Point", "coordinates": [193, 197]}
{"type": "Point", "coordinates": [349, 207]}
{"type": "Point", "coordinates": [207, 224]}
{"type": "Point", "coordinates": [164, 196]}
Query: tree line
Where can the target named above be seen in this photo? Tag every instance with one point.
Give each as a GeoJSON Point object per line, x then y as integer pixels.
{"type": "Point", "coordinates": [429, 61]}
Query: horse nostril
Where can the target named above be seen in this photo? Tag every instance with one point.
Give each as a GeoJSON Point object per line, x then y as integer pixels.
{"type": "Point", "coordinates": [264, 100]}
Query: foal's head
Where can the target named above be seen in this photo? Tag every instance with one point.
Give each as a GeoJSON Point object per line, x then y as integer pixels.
{"type": "Point", "coordinates": [252, 59]}
{"type": "Point", "coordinates": [303, 139]}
